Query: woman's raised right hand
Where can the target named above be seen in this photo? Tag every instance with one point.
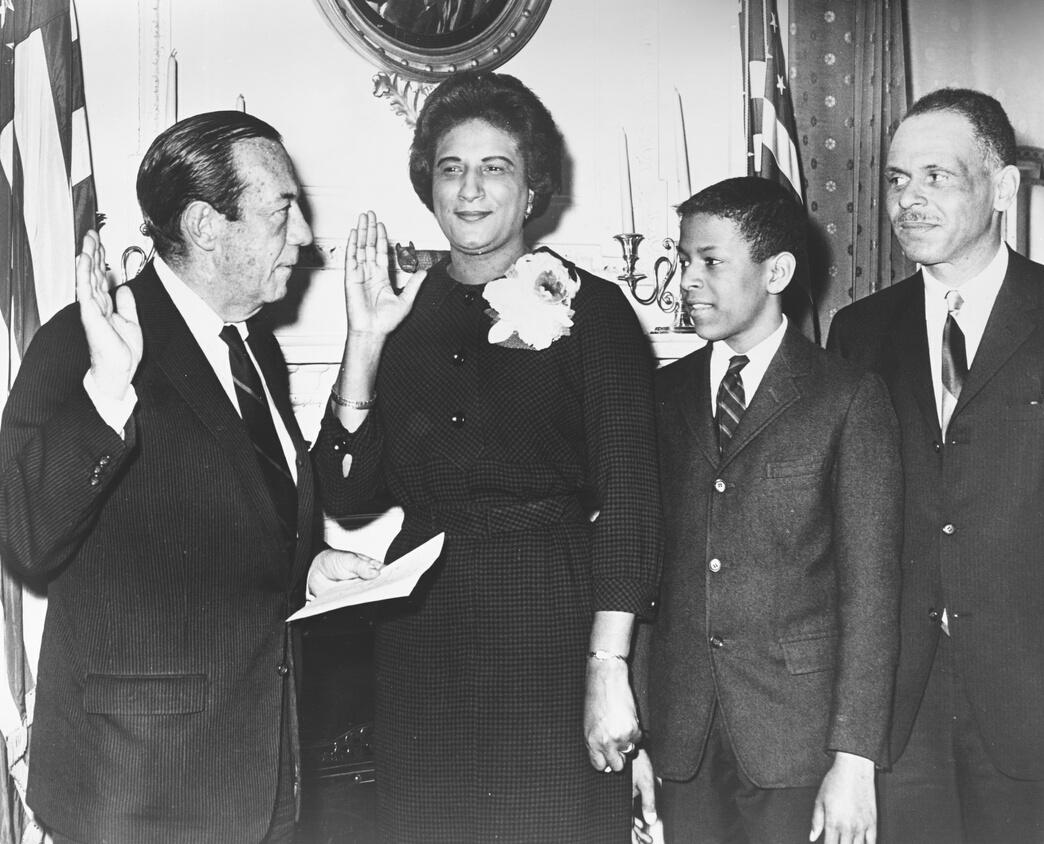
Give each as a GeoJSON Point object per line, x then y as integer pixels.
{"type": "Point", "coordinates": [374, 306]}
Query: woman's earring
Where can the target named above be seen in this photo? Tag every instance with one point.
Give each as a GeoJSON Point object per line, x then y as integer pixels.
{"type": "Point", "coordinates": [529, 205]}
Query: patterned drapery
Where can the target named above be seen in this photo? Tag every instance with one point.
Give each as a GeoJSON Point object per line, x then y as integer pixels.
{"type": "Point", "coordinates": [849, 84]}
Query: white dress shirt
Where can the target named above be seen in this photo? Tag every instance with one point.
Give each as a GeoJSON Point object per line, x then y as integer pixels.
{"type": "Point", "coordinates": [759, 359]}
{"type": "Point", "coordinates": [205, 326]}
{"type": "Point", "coordinates": [979, 293]}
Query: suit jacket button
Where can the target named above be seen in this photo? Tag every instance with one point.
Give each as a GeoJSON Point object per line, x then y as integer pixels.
{"type": "Point", "coordinates": [949, 530]}
{"type": "Point", "coordinates": [282, 669]}
{"type": "Point", "coordinates": [715, 565]}
{"type": "Point", "coordinates": [719, 485]}
{"type": "Point", "coordinates": [459, 357]}
{"type": "Point", "coordinates": [717, 642]}
{"type": "Point", "coordinates": [937, 446]}
{"type": "Point", "coordinates": [469, 296]}
{"type": "Point", "coordinates": [933, 614]}
{"type": "Point", "coordinates": [340, 446]}
{"type": "Point", "coordinates": [457, 420]}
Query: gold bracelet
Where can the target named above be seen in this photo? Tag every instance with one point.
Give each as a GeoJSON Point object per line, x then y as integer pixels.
{"type": "Point", "coordinates": [354, 405]}
{"type": "Point", "coordinates": [602, 656]}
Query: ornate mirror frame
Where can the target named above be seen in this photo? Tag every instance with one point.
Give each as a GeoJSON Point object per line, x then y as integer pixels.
{"type": "Point", "coordinates": [389, 34]}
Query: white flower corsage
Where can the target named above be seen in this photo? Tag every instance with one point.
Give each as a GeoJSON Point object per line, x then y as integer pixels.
{"type": "Point", "coordinates": [530, 305]}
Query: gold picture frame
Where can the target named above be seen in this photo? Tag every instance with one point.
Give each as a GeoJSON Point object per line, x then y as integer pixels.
{"type": "Point", "coordinates": [424, 41]}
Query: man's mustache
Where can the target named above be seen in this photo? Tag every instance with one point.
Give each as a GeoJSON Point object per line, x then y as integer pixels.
{"type": "Point", "coordinates": [902, 219]}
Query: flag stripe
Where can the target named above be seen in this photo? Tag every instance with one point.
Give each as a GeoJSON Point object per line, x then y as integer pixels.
{"type": "Point", "coordinates": [776, 140]}
{"type": "Point", "coordinates": [47, 198]}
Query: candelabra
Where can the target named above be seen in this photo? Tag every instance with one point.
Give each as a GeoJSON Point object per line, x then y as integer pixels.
{"type": "Point", "coordinates": [663, 273]}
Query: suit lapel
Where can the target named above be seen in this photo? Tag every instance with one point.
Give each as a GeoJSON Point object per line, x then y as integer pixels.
{"type": "Point", "coordinates": [177, 356]}
{"type": "Point", "coordinates": [273, 370]}
{"type": "Point", "coordinates": [776, 392]}
{"type": "Point", "coordinates": [1015, 315]}
{"type": "Point", "coordinates": [691, 395]}
{"type": "Point", "coordinates": [909, 359]}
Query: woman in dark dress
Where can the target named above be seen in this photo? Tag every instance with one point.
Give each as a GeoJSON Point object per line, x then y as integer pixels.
{"type": "Point", "coordinates": [487, 399]}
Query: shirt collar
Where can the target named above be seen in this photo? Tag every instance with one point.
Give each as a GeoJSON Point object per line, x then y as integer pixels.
{"type": "Point", "coordinates": [759, 356]}
{"type": "Point", "coordinates": [977, 291]}
{"type": "Point", "coordinates": [201, 318]}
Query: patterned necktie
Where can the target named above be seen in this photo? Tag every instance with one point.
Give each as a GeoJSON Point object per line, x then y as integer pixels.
{"type": "Point", "coordinates": [731, 400]}
{"type": "Point", "coordinates": [258, 420]}
{"type": "Point", "coordinates": [954, 357]}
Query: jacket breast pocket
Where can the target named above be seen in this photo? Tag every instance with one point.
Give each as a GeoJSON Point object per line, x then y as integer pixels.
{"type": "Point", "coordinates": [1033, 411]}
{"type": "Point", "coordinates": [794, 468]}
{"type": "Point", "coordinates": [810, 654]}
{"type": "Point", "coordinates": [137, 694]}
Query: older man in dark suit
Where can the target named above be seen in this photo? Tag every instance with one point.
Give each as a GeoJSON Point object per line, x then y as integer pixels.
{"type": "Point", "coordinates": [767, 676]}
{"type": "Point", "coordinates": [961, 346]}
{"type": "Point", "coordinates": [152, 473]}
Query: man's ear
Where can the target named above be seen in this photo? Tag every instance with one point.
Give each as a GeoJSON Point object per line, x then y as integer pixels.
{"type": "Point", "coordinates": [202, 225]}
{"type": "Point", "coordinates": [1005, 187]}
{"type": "Point", "coordinates": [781, 270]}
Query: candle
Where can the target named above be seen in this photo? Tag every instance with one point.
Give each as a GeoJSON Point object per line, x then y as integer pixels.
{"type": "Point", "coordinates": [172, 89]}
{"type": "Point", "coordinates": [681, 153]}
{"type": "Point", "coordinates": [626, 200]}
{"type": "Point", "coordinates": [241, 104]}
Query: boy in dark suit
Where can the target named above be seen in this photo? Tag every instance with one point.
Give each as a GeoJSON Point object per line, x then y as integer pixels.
{"type": "Point", "coordinates": [766, 680]}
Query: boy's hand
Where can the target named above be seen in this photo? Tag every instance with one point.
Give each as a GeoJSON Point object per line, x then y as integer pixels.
{"type": "Point", "coordinates": [846, 808]}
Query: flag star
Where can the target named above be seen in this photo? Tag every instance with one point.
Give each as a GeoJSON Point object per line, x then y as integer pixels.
{"type": "Point", "coordinates": [779, 84]}
{"type": "Point", "coordinates": [5, 7]}
{"type": "Point", "coordinates": [772, 22]}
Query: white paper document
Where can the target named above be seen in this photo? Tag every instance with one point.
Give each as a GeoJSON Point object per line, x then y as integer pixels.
{"type": "Point", "coordinates": [396, 580]}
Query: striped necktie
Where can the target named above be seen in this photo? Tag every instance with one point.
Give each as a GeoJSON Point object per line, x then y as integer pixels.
{"type": "Point", "coordinates": [731, 400]}
{"type": "Point", "coordinates": [954, 357]}
{"type": "Point", "coordinates": [257, 417]}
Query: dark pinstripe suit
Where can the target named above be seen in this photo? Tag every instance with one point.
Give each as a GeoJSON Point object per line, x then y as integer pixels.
{"type": "Point", "coordinates": [988, 483]}
{"type": "Point", "coordinates": [165, 654]}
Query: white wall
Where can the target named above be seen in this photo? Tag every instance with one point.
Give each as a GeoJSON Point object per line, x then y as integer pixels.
{"type": "Point", "coordinates": [599, 65]}
{"type": "Point", "coordinates": [991, 46]}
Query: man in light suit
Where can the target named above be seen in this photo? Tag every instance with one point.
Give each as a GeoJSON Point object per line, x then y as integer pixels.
{"type": "Point", "coordinates": [960, 345]}
{"type": "Point", "coordinates": [766, 679]}
{"type": "Point", "coordinates": [161, 488]}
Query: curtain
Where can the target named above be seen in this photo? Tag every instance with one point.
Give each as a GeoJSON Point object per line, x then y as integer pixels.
{"type": "Point", "coordinates": [849, 78]}
{"type": "Point", "coordinates": [47, 202]}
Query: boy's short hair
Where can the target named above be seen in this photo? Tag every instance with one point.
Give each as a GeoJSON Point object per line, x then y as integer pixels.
{"type": "Point", "coordinates": [766, 214]}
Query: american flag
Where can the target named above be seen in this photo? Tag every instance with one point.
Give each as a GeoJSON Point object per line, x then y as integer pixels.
{"type": "Point", "coordinates": [771, 132]}
{"type": "Point", "coordinates": [47, 203]}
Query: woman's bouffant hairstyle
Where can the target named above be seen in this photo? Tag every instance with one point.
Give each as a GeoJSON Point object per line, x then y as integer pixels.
{"type": "Point", "coordinates": [191, 161]}
{"type": "Point", "coordinates": [503, 102]}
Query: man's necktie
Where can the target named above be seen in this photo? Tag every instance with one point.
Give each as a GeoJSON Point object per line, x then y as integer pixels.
{"type": "Point", "coordinates": [731, 400]}
{"type": "Point", "coordinates": [257, 417]}
{"type": "Point", "coordinates": [954, 357]}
